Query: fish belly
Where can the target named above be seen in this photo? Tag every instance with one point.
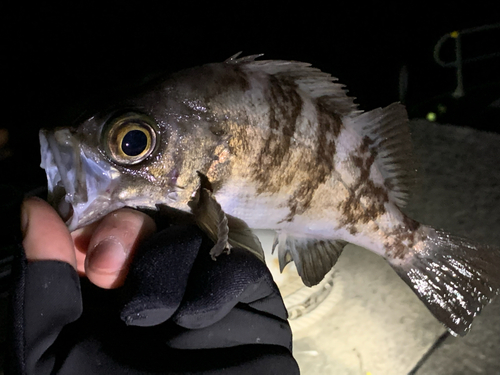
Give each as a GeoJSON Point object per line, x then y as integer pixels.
{"type": "Point", "coordinates": [324, 218]}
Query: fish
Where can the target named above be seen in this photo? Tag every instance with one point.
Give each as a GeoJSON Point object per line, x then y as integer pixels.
{"type": "Point", "coordinates": [249, 144]}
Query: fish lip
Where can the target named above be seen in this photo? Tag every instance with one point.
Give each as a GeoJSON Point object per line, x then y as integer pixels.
{"type": "Point", "coordinates": [80, 187]}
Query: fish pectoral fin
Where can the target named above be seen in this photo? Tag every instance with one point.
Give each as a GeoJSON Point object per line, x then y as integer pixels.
{"type": "Point", "coordinates": [241, 236]}
{"type": "Point", "coordinates": [313, 258]}
{"type": "Point", "coordinates": [225, 230]}
{"type": "Point", "coordinates": [210, 217]}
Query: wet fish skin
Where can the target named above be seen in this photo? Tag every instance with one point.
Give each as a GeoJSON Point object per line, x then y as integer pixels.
{"type": "Point", "coordinates": [283, 147]}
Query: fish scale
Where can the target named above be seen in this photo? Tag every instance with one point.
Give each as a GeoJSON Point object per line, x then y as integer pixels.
{"type": "Point", "coordinates": [270, 145]}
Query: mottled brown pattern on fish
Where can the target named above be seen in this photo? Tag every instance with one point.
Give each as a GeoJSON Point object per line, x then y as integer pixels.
{"type": "Point", "coordinates": [328, 119]}
{"type": "Point", "coordinates": [402, 239]}
{"type": "Point", "coordinates": [230, 128]}
{"type": "Point", "coordinates": [215, 80]}
{"type": "Point", "coordinates": [353, 210]}
{"type": "Point", "coordinates": [320, 166]}
{"type": "Point", "coordinates": [219, 168]}
{"type": "Point", "coordinates": [279, 143]}
{"type": "Point", "coordinates": [237, 80]}
{"type": "Point", "coordinates": [283, 149]}
{"type": "Point", "coordinates": [285, 106]}
{"type": "Point", "coordinates": [410, 223]}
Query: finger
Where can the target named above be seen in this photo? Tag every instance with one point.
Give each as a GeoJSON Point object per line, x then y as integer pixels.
{"type": "Point", "coordinates": [46, 237]}
{"type": "Point", "coordinates": [81, 240]}
{"type": "Point", "coordinates": [112, 245]}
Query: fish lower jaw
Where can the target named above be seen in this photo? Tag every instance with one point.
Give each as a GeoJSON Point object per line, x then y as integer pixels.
{"type": "Point", "coordinates": [87, 213]}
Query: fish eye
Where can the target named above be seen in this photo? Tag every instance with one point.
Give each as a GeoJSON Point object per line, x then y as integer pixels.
{"type": "Point", "coordinates": [130, 138]}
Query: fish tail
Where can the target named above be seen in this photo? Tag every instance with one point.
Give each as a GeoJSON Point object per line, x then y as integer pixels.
{"type": "Point", "coordinates": [454, 277]}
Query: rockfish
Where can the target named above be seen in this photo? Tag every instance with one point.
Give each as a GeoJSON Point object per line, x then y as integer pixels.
{"type": "Point", "coordinates": [269, 145]}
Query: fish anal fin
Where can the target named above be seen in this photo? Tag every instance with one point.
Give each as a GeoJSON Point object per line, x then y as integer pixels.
{"type": "Point", "coordinates": [313, 258]}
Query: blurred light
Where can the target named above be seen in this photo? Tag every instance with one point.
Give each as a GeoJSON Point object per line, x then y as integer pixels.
{"type": "Point", "coordinates": [454, 34]}
{"type": "Point", "coordinates": [431, 116]}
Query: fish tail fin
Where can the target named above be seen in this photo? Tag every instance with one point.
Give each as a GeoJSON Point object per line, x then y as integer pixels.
{"type": "Point", "coordinates": [454, 277]}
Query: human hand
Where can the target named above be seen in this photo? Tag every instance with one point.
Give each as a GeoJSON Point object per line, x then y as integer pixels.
{"type": "Point", "coordinates": [202, 316]}
{"type": "Point", "coordinates": [101, 251]}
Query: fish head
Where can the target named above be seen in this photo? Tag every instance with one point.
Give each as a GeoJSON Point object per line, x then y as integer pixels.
{"type": "Point", "coordinates": [142, 153]}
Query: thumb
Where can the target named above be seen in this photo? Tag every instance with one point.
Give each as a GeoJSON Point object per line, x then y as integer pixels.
{"type": "Point", "coordinates": [45, 234]}
{"type": "Point", "coordinates": [113, 244]}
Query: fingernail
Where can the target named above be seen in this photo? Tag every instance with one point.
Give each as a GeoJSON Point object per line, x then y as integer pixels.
{"type": "Point", "coordinates": [107, 256]}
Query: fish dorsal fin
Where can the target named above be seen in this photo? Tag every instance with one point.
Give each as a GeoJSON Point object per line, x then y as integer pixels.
{"type": "Point", "coordinates": [238, 60]}
{"type": "Point", "coordinates": [312, 81]}
{"type": "Point", "coordinates": [313, 258]}
{"type": "Point", "coordinates": [387, 132]}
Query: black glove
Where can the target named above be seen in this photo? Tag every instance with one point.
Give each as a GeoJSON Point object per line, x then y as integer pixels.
{"type": "Point", "coordinates": [178, 312]}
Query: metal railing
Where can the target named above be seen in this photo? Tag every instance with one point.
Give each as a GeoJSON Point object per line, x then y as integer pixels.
{"type": "Point", "coordinates": [459, 60]}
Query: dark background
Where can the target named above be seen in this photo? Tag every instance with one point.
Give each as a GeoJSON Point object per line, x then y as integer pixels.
{"type": "Point", "coordinates": [55, 61]}
{"type": "Point", "coordinates": [58, 61]}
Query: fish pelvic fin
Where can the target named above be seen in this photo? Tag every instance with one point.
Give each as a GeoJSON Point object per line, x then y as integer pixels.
{"type": "Point", "coordinates": [313, 258]}
{"type": "Point", "coordinates": [454, 277]}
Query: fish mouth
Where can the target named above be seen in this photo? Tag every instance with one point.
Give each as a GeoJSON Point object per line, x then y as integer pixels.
{"type": "Point", "coordinates": [80, 187]}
